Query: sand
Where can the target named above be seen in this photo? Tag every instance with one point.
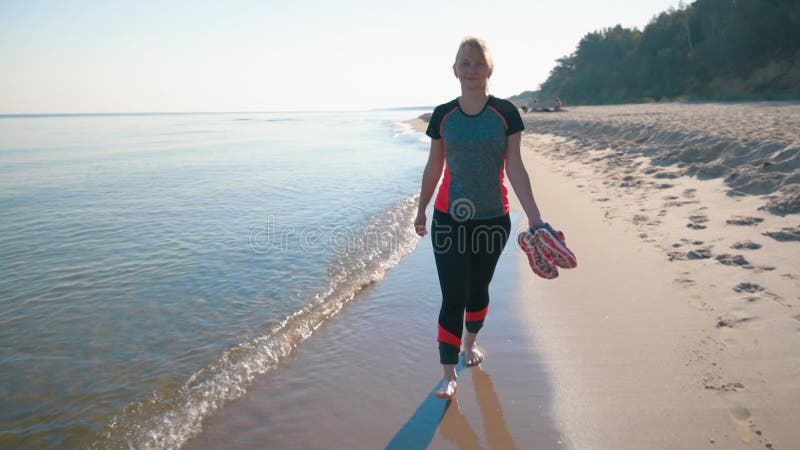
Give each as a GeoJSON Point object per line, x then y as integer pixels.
{"type": "Point", "coordinates": [753, 147]}
{"type": "Point", "coordinates": [679, 329]}
{"type": "Point", "coordinates": [650, 347]}
{"type": "Point", "coordinates": [681, 326]}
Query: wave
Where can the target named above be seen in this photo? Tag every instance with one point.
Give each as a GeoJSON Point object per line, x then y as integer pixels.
{"type": "Point", "coordinates": [168, 418]}
{"type": "Point", "coordinates": [405, 132]}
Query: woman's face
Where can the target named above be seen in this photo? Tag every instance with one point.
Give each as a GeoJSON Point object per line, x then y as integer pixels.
{"type": "Point", "coordinates": [472, 70]}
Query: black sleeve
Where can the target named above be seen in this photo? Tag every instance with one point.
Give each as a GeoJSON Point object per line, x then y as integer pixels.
{"type": "Point", "coordinates": [435, 123]}
{"type": "Point", "coordinates": [511, 114]}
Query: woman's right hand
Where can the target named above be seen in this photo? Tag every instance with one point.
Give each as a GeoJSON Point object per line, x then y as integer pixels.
{"type": "Point", "coordinates": [419, 224]}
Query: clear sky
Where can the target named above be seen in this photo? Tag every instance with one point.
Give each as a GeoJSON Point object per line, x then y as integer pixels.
{"type": "Point", "coordinates": [71, 56]}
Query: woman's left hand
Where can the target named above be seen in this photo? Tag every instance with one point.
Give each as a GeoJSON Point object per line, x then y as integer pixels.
{"type": "Point", "coordinates": [419, 224]}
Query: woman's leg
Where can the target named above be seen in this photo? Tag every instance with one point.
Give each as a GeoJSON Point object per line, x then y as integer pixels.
{"type": "Point", "coordinates": [452, 265]}
{"type": "Point", "coordinates": [489, 238]}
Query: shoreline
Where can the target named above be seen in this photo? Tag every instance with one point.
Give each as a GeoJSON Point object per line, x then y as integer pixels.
{"type": "Point", "coordinates": [680, 328]}
{"type": "Point", "coordinates": [373, 388]}
{"type": "Point", "coordinates": [418, 124]}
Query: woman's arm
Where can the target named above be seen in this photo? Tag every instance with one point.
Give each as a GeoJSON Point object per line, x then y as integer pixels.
{"type": "Point", "coordinates": [518, 176]}
{"type": "Point", "coordinates": [430, 178]}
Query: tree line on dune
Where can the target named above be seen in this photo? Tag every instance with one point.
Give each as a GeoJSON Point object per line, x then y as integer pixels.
{"type": "Point", "coordinates": [710, 49]}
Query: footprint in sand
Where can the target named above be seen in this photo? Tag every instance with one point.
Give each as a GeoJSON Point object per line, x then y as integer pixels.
{"type": "Point", "coordinates": [734, 260]}
{"type": "Point", "coordinates": [709, 383]}
{"type": "Point", "coordinates": [746, 245]}
{"type": "Point", "coordinates": [676, 256]}
{"type": "Point", "coordinates": [630, 181]}
{"type": "Point", "coordinates": [674, 203]}
{"type": "Point", "coordinates": [640, 219]}
{"type": "Point", "coordinates": [740, 416]}
{"type": "Point", "coordinates": [745, 428]}
{"type": "Point", "coordinates": [700, 253]}
{"type": "Point", "coordinates": [731, 320]}
{"type": "Point", "coordinates": [784, 234]}
{"type": "Point", "coordinates": [732, 387]}
{"type": "Point", "coordinates": [689, 193]}
{"type": "Point", "coordinates": [739, 412]}
{"type": "Point", "coordinates": [744, 221]}
{"type": "Point", "coordinates": [753, 288]}
{"type": "Point", "coordinates": [697, 302]}
{"type": "Point", "coordinates": [666, 175]}
{"type": "Point", "coordinates": [697, 221]}
{"type": "Point", "coordinates": [690, 241]}
{"type": "Point", "coordinates": [749, 288]}
{"type": "Point", "coordinates": [684, 279]}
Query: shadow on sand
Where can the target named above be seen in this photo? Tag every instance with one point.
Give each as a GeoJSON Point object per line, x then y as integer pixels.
{"type": "Point", "coordinates": [433, 413]}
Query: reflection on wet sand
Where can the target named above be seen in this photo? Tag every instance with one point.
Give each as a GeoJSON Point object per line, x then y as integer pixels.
{"type": "Point", "coordinates": [457, 429]}
{"type": "Point", "coordinates": [434, 413]}
{"type": "Point", "coordinates": [494, 422]}
{"type": "Point", "coordinates": [420, 429]}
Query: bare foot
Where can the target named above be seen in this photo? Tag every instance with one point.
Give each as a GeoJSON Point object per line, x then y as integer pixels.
{"type": "Point", "coordinates": [472, 355]}
{"type": "Point", "coordinates": [448, 390]}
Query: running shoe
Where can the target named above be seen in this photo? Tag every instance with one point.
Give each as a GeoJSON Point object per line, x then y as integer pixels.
{"type": "Point", "coordinates": [539, 259]}
{"type": "Point", "coordinates": [554, 243]}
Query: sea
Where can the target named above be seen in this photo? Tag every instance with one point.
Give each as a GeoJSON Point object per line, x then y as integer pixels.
{"type": "Point", "coordinates": [152, 266]}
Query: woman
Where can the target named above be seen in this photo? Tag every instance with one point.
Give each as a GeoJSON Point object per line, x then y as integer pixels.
{"type": "Point", "coordinates": [473, 138]}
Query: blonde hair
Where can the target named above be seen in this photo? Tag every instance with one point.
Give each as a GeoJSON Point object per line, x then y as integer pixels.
{"type": "Point", "coordinates": [479, 45]}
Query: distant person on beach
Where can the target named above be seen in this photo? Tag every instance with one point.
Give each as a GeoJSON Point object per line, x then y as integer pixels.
{"type": "Point", "coordinates": [557, 105]}
{"type": "Point", "coordinates": [473, 138]}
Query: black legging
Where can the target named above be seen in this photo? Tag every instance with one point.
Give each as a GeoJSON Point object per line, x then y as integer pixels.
{"type": "Point", "coordinates": [466, 255]}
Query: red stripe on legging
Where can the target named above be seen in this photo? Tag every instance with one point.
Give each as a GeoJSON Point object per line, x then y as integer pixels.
{"type": "Point", "coordinates": [477, 316]}
{"type": "Point", "coordinates": [449, 338]}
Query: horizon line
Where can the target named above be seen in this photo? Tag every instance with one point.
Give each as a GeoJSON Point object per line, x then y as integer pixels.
{"type": "Point", "coordinates": [175, 113]}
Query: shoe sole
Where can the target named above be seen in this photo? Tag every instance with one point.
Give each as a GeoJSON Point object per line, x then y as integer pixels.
{"type": "Point", "coordinates": [562, 256]}
{"type": "Point", "coordinates": [538, 258]}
